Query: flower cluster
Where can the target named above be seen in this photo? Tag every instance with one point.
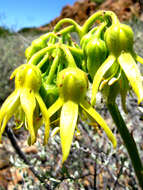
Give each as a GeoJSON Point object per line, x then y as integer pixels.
{"type": "Point", "coordinates": [55, 80]}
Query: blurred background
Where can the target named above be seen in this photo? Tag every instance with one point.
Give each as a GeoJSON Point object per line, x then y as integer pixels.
{"type": "Point", "coordinates": [92, 162]}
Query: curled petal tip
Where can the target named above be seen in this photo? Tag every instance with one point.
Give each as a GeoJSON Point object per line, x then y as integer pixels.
{"type": "Point", "coordinates": [65, 156]}
{"type": "Point", "coordinates": [140, 96]}
{"type": "Point", "coordinates": [96, 116]}
{"type": "Point", "coordinates": [63, 160]}
{"type": "Point", "coordinates": [114, 142]}
{"type": "Point", "coordinates": [45, 141]}
{"type": "Point", "coordinates": [0, 138]}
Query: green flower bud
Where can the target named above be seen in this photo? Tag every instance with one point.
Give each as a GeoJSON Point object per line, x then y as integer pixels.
{"type": "Point", "coordinates": [96, 52]}
{"type": "Point", "coordinates": [119, 37]}
{"type": "Point", "coordinates": [36, 45]}
{"type": "Point", "coordinates": [72, 84]}
{"type": "Point", "coordinates": [86, 38]}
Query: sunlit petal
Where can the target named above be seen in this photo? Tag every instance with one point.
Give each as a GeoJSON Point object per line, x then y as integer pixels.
{"type": "Point", "coordinates": [28, 104]}
{"type": "Point", "coordinates": [91, 111]}
{"type": "Point", "coordinates": [8, 109]}
{"type": "Point", "coordinates": [68, 120]}
{"type": "Point", "coordinates": [133, 74]}
{"type": "Point", "coordinates": [9, 106]}
{"type": "Point", "coordinates": [45, 116]}
{"type": "Point", "coordinates": [5, 120]}
{"type": "Point", "coordinates": [55, 131]}
{"type": "Point", "coordinates": [99, 76]}
{"type": "Point", "coordinates": [139, 59]}
{"type": "Point", "coordinates": [55, 107]}
{"type": "Point", "coordinates": [9, 102]}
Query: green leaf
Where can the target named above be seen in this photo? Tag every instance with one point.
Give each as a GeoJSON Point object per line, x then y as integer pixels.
{"type": "Point", "coordinates": [132, 73]}
{"type": "Point", "coordinates": [68, 120]}
{"type": "Point", "coordinates": [99, 76]}
{"type": "Point", "coordinates": [91, 111]}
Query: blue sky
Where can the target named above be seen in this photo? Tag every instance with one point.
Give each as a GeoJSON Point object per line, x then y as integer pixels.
{"type": "Point", "coordinates": [16, 14]}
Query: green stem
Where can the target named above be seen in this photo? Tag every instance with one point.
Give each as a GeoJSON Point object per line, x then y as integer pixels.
{"type": "Point", "coordinates": [77, 27]}
{"type": "Point", "coordinates": [128, 141]}
{"type": "Point", "coordinates": [66, 39]}
{"type": "Point", "coordinates": [46, 36]}
{"type": "Point", "coordinates": [53, 68]}
{"type": "Point", "coordinates": [99, 30]}
{"type": "Point", "coordinates": [69, 57]}
{"type": "Point", "coordinates": [66, 30]}
{"type": "Point", "coordinates": [112, 15]}
{"type": "Point", "coordinates": [45, 58]}
{"type": "Point", "coordinates": [36, 57]}
{"type": "Point", "coordinates": [100, 15]}
{"type": "Point", "coordinates": [89, 22]}
{"type": "Point", "coordinates": [75, 50]}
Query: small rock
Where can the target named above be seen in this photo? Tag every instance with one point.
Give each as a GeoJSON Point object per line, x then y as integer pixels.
{"type": "Point", "coordinates": [31, 149]}
{"type": "Point", "coordinates": [4, 158]}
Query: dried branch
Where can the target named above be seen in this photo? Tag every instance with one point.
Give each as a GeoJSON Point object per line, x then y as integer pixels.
{"type": "Point", "coordinates": [21, 154]}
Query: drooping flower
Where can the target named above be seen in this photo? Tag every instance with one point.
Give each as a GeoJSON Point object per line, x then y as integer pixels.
{"type": "Point", "coordinates": [73, 84]}
{"type": "Point", "coordinates": [121, 64]}
{"type": "Point", "coordinates": [24, 102]}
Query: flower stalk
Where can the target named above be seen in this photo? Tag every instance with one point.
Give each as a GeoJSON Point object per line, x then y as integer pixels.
{"type": "Point", "coordinates": [128, 141]}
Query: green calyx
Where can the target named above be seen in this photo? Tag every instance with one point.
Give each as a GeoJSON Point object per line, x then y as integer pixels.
{"type": "Point", "coordinates": [39, 44]}
{"type": "Point", "coordinates": [119, 37]}
{"type": "Point", "coordinates": [72, 84]}
{"type": "Point", "coordinates": [87, 37]}
{"type": "Point", "coordinates": [27, 76]}
{"type": "Point", "coordinates": [36, 45]}
{"type": "Point", "coordinates": [94, 48]}
{"type": "Point", "coordinates": [96, 52]}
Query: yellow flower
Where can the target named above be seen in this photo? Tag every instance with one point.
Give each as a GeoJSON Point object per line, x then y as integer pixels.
{"type": "Point", "coordinates": [25, 100]}
{"type": "Point", "coordinates": [73, 85]}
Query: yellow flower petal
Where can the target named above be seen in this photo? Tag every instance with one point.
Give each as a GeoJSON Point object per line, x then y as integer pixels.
{"type": "Point", "coordinates": [55, 107]}
{"type": "Point", "coordinates": [5, 120]}
{"type": "Point", "coordinates": [9, 103]}
{"type": "Point", "coordinates": [132, 73]}
{"type": "Point", "coordinates": [8, 108]}
{"type": "Point", "coordinates": [68, 120]}
{"type": "Point", "coordinates": [77, 132]}
{"type": "Point", "coordinates": [99, 75]}
{"type": "Point", "coordinates": [55, 131]}
{"type": "Point", "coordinates": [45, 116]}
{"type": "Point", "coordinates": [28, 104]}
{"type": "Point", "coordinates": [91, 111]}
{"type": "Point", "coordinates": [139, 59]}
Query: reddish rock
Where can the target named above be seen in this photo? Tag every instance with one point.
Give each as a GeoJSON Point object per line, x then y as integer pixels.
{"type": "Point", "coordinates": [82, 9]}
